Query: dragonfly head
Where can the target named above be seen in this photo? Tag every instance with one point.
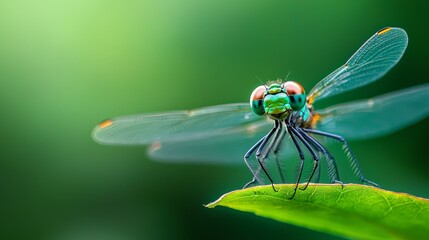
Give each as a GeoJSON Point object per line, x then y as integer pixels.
{"type": "Point", "coordinates": [278, 99]}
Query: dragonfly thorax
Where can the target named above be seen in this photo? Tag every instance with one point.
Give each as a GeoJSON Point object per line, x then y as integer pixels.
{"type": "Point", "coordinates": [278, 100]}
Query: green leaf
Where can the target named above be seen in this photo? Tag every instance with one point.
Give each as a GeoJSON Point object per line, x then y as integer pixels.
{"type": "Point", "coordinates": [355, 211]}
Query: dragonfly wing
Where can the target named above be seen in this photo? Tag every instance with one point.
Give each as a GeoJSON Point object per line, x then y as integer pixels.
{"type": "Point", "coordinates": [174, 126]}
{"type": "Point", "coordinates": [218, 134]}
{"type": "Point", "coordinates": [376, 116]}
{"type": "Point", "coordinates": [370, 62]}
{"type": "Point", "coordinates": [223, 147]}
{"type": "Point", "coordinates": [228, 147]}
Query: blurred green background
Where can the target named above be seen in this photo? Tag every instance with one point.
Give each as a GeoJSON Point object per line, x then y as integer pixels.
{"type": "Point", "coordinates": [66, 65]}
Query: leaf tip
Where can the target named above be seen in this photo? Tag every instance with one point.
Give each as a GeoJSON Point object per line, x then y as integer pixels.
{"type": "Point", "coordinates": [210, 205]}
{"type": "Point", "coordinates": [215, 203]}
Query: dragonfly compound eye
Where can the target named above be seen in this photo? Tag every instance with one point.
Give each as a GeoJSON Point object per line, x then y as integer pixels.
{"type": "Point", "coordinates": [257, 100]}
{"type": "Point", "coordinates": [296, 94]}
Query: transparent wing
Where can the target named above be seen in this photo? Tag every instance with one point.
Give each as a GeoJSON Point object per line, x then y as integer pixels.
{"type": "Point", "coordinates": [370, 62]}
{"type": "Point", "coordinates": [376, 116]}
{"type": "Point", "coordinates": [226, 147]}
{"type": "Point", "coordinates": [178, 126]}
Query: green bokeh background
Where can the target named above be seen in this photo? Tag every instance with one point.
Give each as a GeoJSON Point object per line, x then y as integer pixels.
{"type": "Point", "coordinates": [66, 65]}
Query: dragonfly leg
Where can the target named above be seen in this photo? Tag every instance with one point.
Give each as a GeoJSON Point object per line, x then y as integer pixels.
{"type": "Point", "coordinates": [260, 145]}
{"type": "Point", "coordinates": [291, 121]}
{"type": "Point", "coordinates": [309, 147]}
{"type": "Point", "coordinates": [261, 149]}
{"type": "Point", "coordinates": [275, 144]}
{"type": "Point", "coordinates": [246, 158]}
{"type": "Point", "coordinates": [301, 155]}
{"type": "Point", "coordinates": [348, 151]}
{"type": "Point", "coordinates": [253, 181]}
{"type": "Point", "coordinates": [258, 170]}
{"type": "Point", "coordinates": [332, 165]}
{"type": "Point", "coordinates": [267, 138]}
{"type": "Point", "coordinates": [276, 151]}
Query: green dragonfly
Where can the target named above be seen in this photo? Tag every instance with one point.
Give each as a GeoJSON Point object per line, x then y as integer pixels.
{"type": "Point", "coordinates": [221, 134]}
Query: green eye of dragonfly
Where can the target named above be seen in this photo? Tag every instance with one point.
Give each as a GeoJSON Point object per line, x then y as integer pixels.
{"type": "Point", "coordinates": [296, 94]}
{"type": "Point", "coordinates": [257, 100]}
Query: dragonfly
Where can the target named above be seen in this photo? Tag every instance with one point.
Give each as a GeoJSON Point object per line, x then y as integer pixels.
{"type": "Point", "coordinates": [222, 133]}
